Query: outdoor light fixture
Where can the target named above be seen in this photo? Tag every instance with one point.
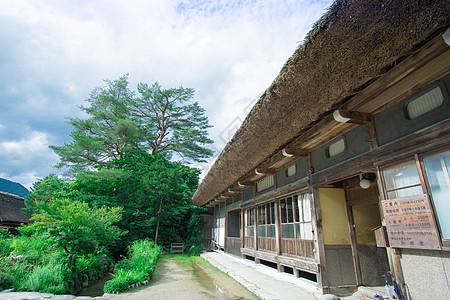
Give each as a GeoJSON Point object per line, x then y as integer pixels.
{"type": "Point", "coordinates": [364, 182]}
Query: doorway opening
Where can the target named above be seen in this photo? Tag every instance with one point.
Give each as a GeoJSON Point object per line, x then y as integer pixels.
{"type": "Point", "coordinates": [350, 211]}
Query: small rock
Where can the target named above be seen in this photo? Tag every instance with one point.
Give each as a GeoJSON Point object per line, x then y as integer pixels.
{"type": "Point", "coordinates": [8, 290]}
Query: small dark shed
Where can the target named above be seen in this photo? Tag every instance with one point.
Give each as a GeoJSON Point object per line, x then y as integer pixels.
{"type": "Point", "coordinates": [11, 215]}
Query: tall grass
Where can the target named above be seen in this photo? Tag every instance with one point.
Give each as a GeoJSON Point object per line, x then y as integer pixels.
{"type": "Point", "coordinates": [49, 278]}
{"type": "Point", "coordinates": [30, 263]}
{"type": "Point", "coordinates": [143, 255]}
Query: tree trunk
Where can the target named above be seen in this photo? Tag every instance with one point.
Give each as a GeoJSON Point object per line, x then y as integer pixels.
{"type": "Point", "coordinates": [156, 232]}
{"type": "Point", "coordinates": [158, 214]}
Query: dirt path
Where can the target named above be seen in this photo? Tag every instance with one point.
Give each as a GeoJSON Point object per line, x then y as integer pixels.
{"type": "Point", "coordinates": [187, 278]}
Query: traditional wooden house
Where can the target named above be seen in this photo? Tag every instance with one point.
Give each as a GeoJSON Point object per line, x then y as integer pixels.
{"type": "Point", "coordinates": [11, 215]}
{"type": "Point", "coordinates": [340, 172]}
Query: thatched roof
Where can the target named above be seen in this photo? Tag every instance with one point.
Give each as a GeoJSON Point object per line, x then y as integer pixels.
{"type": "Point", "coordinates": [11, 209]}
{"type": "Point", "coordinates": [350, 45]}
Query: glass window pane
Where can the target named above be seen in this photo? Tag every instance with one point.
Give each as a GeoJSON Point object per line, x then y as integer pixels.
{"type": "Point", "coordinates": [251, 216]}
{"type": "Point", "coordinates": [272, 212]}
{"type": "Point", "coordinates": [290, 210]}
{"type": "Point", "coordinates": [298, 232]}
{"type": "Point", "coordinates": [283, 211]}
{"type": "Point", "coordinates": [270, 231]}
{"type": "Point", "coordinates": [306, 208]}
{"type": "Point", "coordinates": [425, 103]}
{"type": "Point", "coordinates": [402, 175]}
{"type": "Point", "coordinates": [262, 231]}
{"type": "Point", "coordinates": [437, 170]}
{"type": "Point", "coordinates": [261, 214]}
{"type": "Point", "coordinates": [408, 192]}
{"type": "Point", "coordinates": [306, 231]}
{"type": "Point", "coordinates": [248, 230]}
{"type": "Point", "coordinates": [287, 231]}
{"type": "Point", "coordinates": [336, 148]}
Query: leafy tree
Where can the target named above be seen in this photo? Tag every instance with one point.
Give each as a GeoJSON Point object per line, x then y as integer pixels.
{"type": "Point", "coordinates": [159, 121]}
{"type": "Point", "coordinates": [171, 125]}
{"type": "Point", "coordinates": [75, 227]}
{"type": "Point", "coordinates": [154, 192]}
{"type": "Point", "coordinates": [45, 189]}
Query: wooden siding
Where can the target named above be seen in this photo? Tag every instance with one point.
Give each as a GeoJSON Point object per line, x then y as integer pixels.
{"type": "Point", "coordinates": [267, 244]}
{"type": "Point", "coordinates": [294, 262]}
{"type": "Point", "coordinates": [249, 242]}
{"type": "Point", "coordinates": [233, 246]}
{"type": "Point", "coordinates": [294, 247]}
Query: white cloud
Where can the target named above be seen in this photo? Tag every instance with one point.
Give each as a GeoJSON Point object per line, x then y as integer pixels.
{"type": "Point", "coordinates": [36, 143]}
{"type": "Point", "coordinates": [55, 52]}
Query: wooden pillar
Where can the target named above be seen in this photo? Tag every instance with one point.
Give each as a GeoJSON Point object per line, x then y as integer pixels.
{"type": "Point", "coordinates": [255, 233]}
{"type": "Point", "coordinates": [226, 229]}
{"type": "Point", "coordinates": [277, 227]}
{"type": "Point", "coordinates": [242, 231]}
{"type": "Point", "coordinates": [372, 134]}
{"type": "Point", "coordinates": [353, 242]}
{"type": "Point", "coordinates": [318, 235]}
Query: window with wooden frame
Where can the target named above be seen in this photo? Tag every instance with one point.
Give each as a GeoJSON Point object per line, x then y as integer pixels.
{"type": "Point", "coordinates": [437, 170]}
{"type": "Point", "coordinates": [266, 220]}
{"type": "Point", "coordinates": [250, 222]}
{"type": "Point", "coordinates": [303, 217]}
{"type": "Point", "coordinates": [402, 180]}
{"type": "Point", "coordinates": [424, 177]}
{"type": "Point", "coordinates": [265, 183]}
{"type": "Point", "coordinates": [295, 212]}
{"type": "Point", "coordinates": [429, 100]}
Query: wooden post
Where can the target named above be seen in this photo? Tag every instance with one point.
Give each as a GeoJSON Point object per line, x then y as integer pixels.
{"type": "Point", "coordinates": [277, 227]}
{"type": "Point", "coordinates": [226, 229]}
{"type": "Point", "coordinates": [353, 242]}
{"type": "Point", "coordinates": [255, 233]}
{"type": "Point", "coordinates": [319, 244]}
{"type": "Point", "coordinates": [242, 232]}
{"type": "Point", "coordinates": [372, 134]}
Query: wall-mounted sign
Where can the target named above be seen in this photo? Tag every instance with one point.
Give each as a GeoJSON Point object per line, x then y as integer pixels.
{"type": "Point", "coordinates": [410, 223]}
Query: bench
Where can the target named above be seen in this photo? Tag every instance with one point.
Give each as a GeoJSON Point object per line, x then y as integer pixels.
{"type": "Point", "coordinates": [176, 248]}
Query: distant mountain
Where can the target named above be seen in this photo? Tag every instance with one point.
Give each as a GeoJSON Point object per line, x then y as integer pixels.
{"type": "Point", "coordinates": [13, 188]}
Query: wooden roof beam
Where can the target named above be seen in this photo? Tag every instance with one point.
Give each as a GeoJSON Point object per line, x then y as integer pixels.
{"type": "Point", "coordinates": [265, 171]}
{"type": "Point", "coordinates": [291, 152]}
{"type": "Point", "coordinates": [354, 117]}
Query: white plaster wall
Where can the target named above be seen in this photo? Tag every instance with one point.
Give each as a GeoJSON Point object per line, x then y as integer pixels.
{"type": "Point", "coordinates": [215, 225]}
{"type": "Point", "coordinates": [218, 226]}
{"type": "Point", "coordinates": [424, 273]}
{"type": "Point", "coordinates": [222, 224]}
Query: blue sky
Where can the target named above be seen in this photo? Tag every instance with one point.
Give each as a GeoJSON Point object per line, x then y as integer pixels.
{"type": "Point", "coordinates": [54, 53]}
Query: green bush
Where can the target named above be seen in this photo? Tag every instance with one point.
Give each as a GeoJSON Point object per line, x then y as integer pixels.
{"type": "Point", "coordinates": [143, 255]}
{"type": "Point", "coordinates": [116, 285]}
{"type": "Point", "coordinates": [195, 251]}
{"type": "Point", "coordinates": [47, 279]}
{"type": "Point", "coordinates": [32, 263]}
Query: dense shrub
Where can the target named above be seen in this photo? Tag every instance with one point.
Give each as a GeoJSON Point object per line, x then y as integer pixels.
{"type": "Point", "coordinates": [50, 278]}
{"type": "Point", "coordinates": [138, 267]}
{"type": "Point", "coordinates": [195, 250]}
{"type": "Point", "coordinates": [33, 263]}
